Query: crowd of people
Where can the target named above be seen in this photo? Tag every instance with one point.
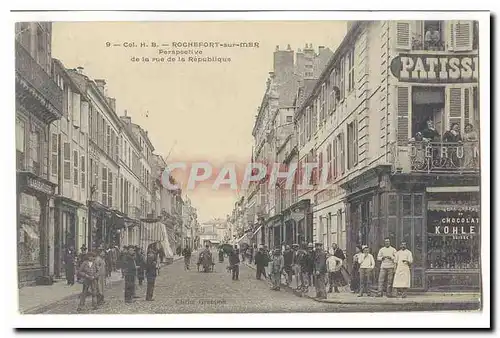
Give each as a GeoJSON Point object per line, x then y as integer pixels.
{"type": "Point", "coordinates": [326, 269]}
{"type": "Point", "coordinates": [93, 269]}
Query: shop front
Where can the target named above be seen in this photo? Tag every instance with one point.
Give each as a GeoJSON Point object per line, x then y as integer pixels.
{"type": "Point", "coordinates": [100, 222]}
{"type": "Point", "coordinates": [453, 231]}
{"type": "Point", "coordinates": [33, 197]}
{"type": "Point", "coordinates": [65, 230]}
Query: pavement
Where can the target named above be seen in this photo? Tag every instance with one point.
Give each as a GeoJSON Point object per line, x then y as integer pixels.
{"type": "Point", "coordinates": [187, 291]}
{"type": "Point", "coordinates": [428, 300]}
{"type": "Point", "coordinates": [37, 299]}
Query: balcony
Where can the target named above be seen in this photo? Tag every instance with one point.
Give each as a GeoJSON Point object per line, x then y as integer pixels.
{"type": "Point", "coordinates": [418, 44]}
{"type": "Point", "coordinates": [35, 88]}
{"type": "Point", "coordinates": [443, 157]}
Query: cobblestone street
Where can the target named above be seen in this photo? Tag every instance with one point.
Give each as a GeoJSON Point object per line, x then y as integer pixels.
{"type": "Point", "coordinates": [179, 291]}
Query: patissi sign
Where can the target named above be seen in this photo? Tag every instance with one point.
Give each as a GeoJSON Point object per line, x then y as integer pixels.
{"type": "Point", "coordinates": [435, 68]}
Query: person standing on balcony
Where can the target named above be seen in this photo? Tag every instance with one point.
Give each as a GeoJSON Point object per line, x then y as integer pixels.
{"type": "Point", "coordinates": [387, 257]}
{"type": "Point", "coordinates": [453, 135]}
{"type": "Point", "coordinates": [432, 38]}
{"type": "Point", "coordinates": [470, 147]}
{"type": "Point", "coordinates": [429, 133]}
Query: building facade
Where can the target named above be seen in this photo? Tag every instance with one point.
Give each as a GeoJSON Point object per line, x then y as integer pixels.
{"type": "Point", "coordinates": [379, 130]}
{"type": "Point", "coordinates": [39, 102]}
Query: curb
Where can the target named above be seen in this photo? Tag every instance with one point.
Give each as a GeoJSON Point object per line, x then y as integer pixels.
{"type": "Point", "coordinates": [350, 302]}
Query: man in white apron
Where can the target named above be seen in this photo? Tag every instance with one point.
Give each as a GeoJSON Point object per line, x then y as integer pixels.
{"type": "Point", "coordinates": [402, 276]}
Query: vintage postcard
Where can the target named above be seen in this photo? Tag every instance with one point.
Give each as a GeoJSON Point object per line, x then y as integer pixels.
{"type": "Point", "coordinates": [251, 166]}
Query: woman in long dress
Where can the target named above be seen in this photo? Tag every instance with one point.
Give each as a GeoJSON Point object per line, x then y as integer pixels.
{"type": "Point", "coordinates": [402, 276]}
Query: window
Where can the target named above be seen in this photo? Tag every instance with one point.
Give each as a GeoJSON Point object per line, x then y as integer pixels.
{"type": "Point", "coordinates": [20, 143]}
{"type": "Point", "coordinates": [36, 153]}
{"type": "Point", "coordinates": [352, 144]}
{"type": "Point", "coordinates": [335, 157]}
{"type": "Point", "coordinates": [104, 186]}
{"type": "Point", "coordinates": [82, 169]}
{"type": "Point", "coordinates": [108, 144]}
{"type": "Point", "coordinates": [289, 119]}
{"type": "Point", "coordinates": [103, 134]}
{"type": "Point", "coordinates": [322, 99]}
{"type": "Point", "coordinates": [110, 188]}
{"type": "Point", "coordinates": [41, 53]}
{"type": "Point", "coordinates": [75, 167]}
{"type": "Point", "coordinates": [329, 162]}
{"type": "Point", "coordinates": [429, 35]}
{"type": "Point", "coordinates": [341, 153]}
{"type": "Point", "coordinates": [54, 154]}
{"type": "Point", "coordinates": [342, 79]}
{"type": "Point", "coordinates": [117, 148]}
{"type": "Point", "coordinates": [350, 79]}
{"type": "Point", "coordinates": [320, 167]}
{"type": "Point", "coordinates": [67, 161]}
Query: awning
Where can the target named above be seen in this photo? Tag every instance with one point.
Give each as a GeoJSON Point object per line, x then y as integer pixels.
{"type": "Point", "coordinates": [213, 241]}
{"type": "Point", "coordinates": [242, 238]}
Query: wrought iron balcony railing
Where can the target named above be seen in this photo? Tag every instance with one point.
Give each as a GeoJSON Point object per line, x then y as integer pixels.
{"type": "Point", "coordinates": [41, 82]}
{"type": "Point", "coordinates": [444, 157]}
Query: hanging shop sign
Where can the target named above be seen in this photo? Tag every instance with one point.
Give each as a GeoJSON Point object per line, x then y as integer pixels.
{"type": "Point", "coordinates": [428, 68]}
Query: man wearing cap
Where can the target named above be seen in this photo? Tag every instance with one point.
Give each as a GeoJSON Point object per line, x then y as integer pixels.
{"type": "Point", "coordinates": [307, 266]}
{"type": "Point", "coordinates": [387, 257]}
{"type": "Point", "coordinates": [366, 265]}
{"type": "Point", "coordinates": [260, 260]}
{"type": "Point", "coordinates": [88, 273]}
{"type": "Point", "coordinates": [320, 271]}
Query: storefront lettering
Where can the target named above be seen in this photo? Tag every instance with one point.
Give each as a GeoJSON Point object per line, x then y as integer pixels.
{"type": "Point", "coordinates": [455, 230]}
{"type": "Point", "coordinates": [40, 186]}
{"type": "Point", "coordinates": [435, 68]}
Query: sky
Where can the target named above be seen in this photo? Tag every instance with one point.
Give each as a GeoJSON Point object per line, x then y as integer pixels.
{"type": "Point", "coordinates": [194, 111]}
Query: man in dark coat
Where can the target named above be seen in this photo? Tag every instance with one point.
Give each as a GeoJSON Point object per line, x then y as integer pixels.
{"type": "Point", "coordinates": [320, 271]}
{"type": "Point", "coordinates": [287, 261]}
{"type": "Point", "coordinates": [140, 260]}
{"type": "Point", "coordinates": [151, 273]}
{"type": "Point", "coordinates": [69, 265]}
{"type": "Point", "coordinates": [307, 266]}
{"type": "Point", "coordinates": [260, 262]}
{"type": "Point", "coordinates": [186, 253]}
{"type": "Point", "coordinates": [130, 272]}
{"type": "Point", "coordinates": [234, 263]}
{"type": "Point", "coordinates": [338, 252]}
{"type": "Point", "coordinates": [88, 273]}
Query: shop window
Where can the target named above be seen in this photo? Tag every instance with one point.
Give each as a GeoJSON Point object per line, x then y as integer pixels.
{"type": "Point", "coordinates": [453, 234]}
{"type": "Point", "coordinates": [406, 203]}
{"type": "Point", "coordinates": [29, 230]}
{"type": "Point", "coordinates": [393, 205]}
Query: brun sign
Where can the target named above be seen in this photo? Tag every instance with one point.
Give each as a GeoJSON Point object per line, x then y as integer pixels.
{"type": "Point", "coordinates": [428, 68]}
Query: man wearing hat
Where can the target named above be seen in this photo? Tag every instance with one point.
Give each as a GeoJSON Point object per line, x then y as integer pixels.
{"type": "Point", "coordinates": [276, 269]}
{"type": "Point", "coordinates": [296, 263]}
{"type": "Point", "coordinates": [320, 271]}
{"type": "Point", "coordinates": [130, 271]}
{"type": "Point", "coordinates": [287, 261]}
{"type": "Point", "coordinates": [366, 265]}
{"type": "Point", "coordinates": [88, 273]}
{"type": "Point", "coordinates": [101, 274]}
{"type": "Point", "coordinates": [81, 258]}
{"type": "Point", "coordinates": [307, 266]}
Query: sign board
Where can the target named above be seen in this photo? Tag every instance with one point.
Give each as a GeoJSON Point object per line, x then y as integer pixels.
{"type": "Point", "coordinates": [441, 68]}
{"type": "Point", "coordinates": [40, 186]}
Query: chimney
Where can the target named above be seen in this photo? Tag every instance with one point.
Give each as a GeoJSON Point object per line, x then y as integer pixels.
{"type": "Point", "coordinates": [79, 70]}
{"type": "Point", "coordinates": [112, 102]}
{"type": "Point", "coordinates": [101, 85]}
{"type": "Point", "coordinates": [321, 48]}
{"type": "Point", "coordinates": [288, 47]}
{"type": "Point", "coordinates": [127, 119]}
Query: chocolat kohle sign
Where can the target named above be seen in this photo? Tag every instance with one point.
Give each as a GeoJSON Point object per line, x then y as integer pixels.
{"type": "Point", "coordinates": [435, 68]}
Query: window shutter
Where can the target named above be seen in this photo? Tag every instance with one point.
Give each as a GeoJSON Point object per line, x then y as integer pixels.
{"type": "Point", "coordinates": [84, 116]}
{"type": "Point", "coordinates": [403, 35]}
{"type": "Point", "coordinates": [76, 110]}
{"type": "Point", "coordinates": [320, 167]}
{"type": "Point", "coordinates": [455, 107]}
{"type": "Point", "coordinates": [403, 116]}
{"type": "Point", "coordinates": [468, 106]}
{"type": "Point", "coordinates": [463, 35]}
{"type": "Point", "coordinates": [334, 157]}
